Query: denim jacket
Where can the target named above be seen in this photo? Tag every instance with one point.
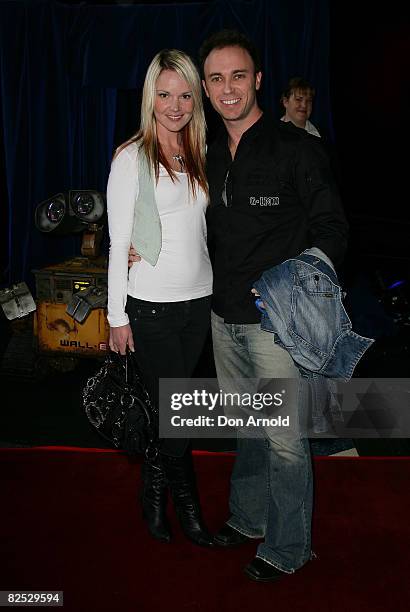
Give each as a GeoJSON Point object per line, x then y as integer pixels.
{"type": "Point", "coordinates": [304, 309]}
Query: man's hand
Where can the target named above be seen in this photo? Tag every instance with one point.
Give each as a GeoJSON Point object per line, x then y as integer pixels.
{"type": "Point", "coordinates": [132, 256]}
{"type": "Point", "coordinates": [256, 294]}
{"type": "Point", "coordinates": [120, 338]}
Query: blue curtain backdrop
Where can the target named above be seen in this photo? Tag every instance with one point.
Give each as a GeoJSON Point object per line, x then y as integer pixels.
{"type": "Point", "coordinates": [61, 68]}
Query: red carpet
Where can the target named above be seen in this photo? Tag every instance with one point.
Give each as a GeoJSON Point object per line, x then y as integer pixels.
{"type": "Point", "coordinates": [69, 520]}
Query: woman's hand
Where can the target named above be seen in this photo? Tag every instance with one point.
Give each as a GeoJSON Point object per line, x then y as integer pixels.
{"type": "Point", "coordinates": [120, 338]}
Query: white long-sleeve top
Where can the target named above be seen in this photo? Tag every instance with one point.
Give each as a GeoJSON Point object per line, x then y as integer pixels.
{"type": "Point", "coordinates": [183, 270]}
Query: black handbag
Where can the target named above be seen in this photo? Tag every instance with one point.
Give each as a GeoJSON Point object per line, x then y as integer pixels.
{"type": "Point", "coordinates": [117, 404]}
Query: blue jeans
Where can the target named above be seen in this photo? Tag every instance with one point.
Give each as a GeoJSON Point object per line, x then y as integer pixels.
{"type": "Point", "coordinates": [271, 483]}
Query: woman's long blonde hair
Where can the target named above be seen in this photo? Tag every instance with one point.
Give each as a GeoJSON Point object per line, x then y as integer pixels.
{"type": "Point", "coordinates": [193, 134]}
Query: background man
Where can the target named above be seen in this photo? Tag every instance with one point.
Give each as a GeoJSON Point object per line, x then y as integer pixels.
{"type": "Point", "coordinates": [297, 100]}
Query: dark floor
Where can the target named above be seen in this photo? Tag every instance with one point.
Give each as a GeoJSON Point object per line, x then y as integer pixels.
{"type": "Point", "coordinates": [41, 404]}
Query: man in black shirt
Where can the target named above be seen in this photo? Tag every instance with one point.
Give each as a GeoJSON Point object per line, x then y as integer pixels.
{"type": "Point", "coordinates": [272, 196]}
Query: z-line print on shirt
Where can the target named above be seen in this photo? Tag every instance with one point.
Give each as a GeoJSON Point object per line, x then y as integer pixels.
{"type": "Point", "coordinates": [264, 200]}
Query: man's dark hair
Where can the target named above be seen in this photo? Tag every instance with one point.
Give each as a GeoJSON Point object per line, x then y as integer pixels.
{"type": "Point", "coordinates": [228, 38]}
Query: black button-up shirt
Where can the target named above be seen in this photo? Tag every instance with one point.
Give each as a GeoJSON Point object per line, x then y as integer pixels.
{"type": "Point", "coordinates": [275, 199]}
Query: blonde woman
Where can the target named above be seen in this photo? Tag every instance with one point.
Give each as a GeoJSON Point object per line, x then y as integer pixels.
{"type": "Point", "coordinates": [157, 196]}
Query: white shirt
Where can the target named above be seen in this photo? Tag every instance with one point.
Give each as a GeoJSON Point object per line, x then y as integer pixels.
{"type": "Point", "coordinates": [309, 127]}
{"type": "Point", "coordinates": [183, 270]}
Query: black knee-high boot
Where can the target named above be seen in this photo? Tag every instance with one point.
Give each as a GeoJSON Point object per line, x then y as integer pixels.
{"type": "Point", "coordinates": [154, 499]}
{"type": "Point", "coordinates": [180, 476]}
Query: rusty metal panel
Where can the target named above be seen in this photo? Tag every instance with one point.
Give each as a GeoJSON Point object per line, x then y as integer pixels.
{"type": "Point", "coordinates": [58, 333]}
